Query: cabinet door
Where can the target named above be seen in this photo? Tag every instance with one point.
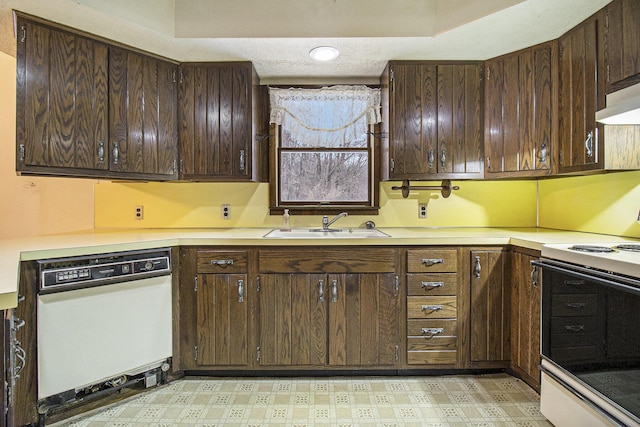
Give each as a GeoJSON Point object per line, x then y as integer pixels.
{"type": "Point", "coordinates": [581, 139]}
{"type": "Point", "coordinates": [222, 320]}
{"type": "Point", "coordinates": [460, 125]}
{"type": "Point", "coordinates": [518, 91]}
{"type": "Point", "coordinates": [142, 117]}
{"type": "Point", "coordinates": [622, 43]}
{"type": "Point", "coordinates": [363, 319]}
{"type": "Point", "coordinates": [490, 303]}
{"type": "Point", "coordinates": [215, 111]}
{"type": "Point", "coordinates": [61, 101]}
{"type": "Point", "coordinates": [525, 319]}
{"type": "Point", "coordinates": [293, 319]}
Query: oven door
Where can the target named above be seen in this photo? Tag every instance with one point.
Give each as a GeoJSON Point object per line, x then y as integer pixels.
{"type": "Point", "coordinates": [591, 337]}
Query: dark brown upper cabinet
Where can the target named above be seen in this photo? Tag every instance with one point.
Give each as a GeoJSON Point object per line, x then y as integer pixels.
{"type": "Point", "coordinates": [220, 126]}
{"type": "Point", "coordinates": [142, 117]}
{"type": "Point", "coordinates": [581, 94]}
{"type": "Point", "coordinates": [91, 109]}
{"type": "Point", "coordinates": [519, 135]}
{"type": "Point", "coordinates": [62, 107]}
{"type": "Point", "coordinates": [622, 43]}
{"type": "Point", "coordinates": [432, 112]}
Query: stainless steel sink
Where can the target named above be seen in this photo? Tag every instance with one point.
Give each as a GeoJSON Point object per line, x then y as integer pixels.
{"type": "Point", "coordinates": [346, 233]}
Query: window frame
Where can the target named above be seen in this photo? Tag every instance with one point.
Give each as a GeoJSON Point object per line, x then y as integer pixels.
{"type": "Point", "coordinates": [370, 207]}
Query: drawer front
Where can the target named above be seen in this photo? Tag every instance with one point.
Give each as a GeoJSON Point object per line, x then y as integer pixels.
{"type": "Point", "coordinates": [432, 260]}
{"type": "Point", "coordinates": [444, 307]}
{"type": "Point", "coordinates": [574, 305]}
{"type": "Point", "coordinates": [432, 284]}
{"type": "Point", "coordinates": [574, 325]}
{"type": "Point", "coordinates": [437, 357]}
{"type": "Point", "coordinates": [435, 343]}
{"type": "Point", "coordinates": [574, 354]}
{"type": "Point", "coordinates": [327, 260]}
{"type": "Point", "coordinates": [435, 327]}
{"type": "Point", "coordinates": [222, 262]}
{"type": "Point", "coordinates": [566, 284]}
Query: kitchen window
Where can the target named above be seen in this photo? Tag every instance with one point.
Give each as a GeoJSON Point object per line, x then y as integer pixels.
{"type": "Point", "coordinates": [324, 154]}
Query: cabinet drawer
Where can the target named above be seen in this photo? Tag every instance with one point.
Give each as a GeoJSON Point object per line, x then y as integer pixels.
{"type": "Point", "coordinates": [432, 260]}
{"type": "Point", "coordinates": [574, 354]}
{"type": "Point", "coordinates": [222, 262]}
{"type": "Point", "coordinates": [443, 327]}
{"type": "Point", "coordinates": [437, 357]}
{"type": "Point", "coordinates": [435, 343]}
{"type": "Point", "coordinates": [574, 325]}
{"type": "Point", "coordinates": [327, 260]}
{"type": "Point", "coordinates": [432, 284]}
{"type": "Point", "coordinates": [443, 307]}
{"type": "Point", "coordinates": [574, 305]}
{"type": "Point", "coordinates": [567, 284]}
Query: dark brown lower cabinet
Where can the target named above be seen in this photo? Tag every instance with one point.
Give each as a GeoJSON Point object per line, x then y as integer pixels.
{"type": "Point", "coordinates": [490, 303]}
{"type": "Point", "coordinates": [335, 320]}
{"type": "Point", "coordinates": [525, 317]}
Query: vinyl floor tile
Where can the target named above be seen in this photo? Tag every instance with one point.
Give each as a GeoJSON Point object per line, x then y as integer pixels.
{"type": "Point", "coordinates": [448, 401]}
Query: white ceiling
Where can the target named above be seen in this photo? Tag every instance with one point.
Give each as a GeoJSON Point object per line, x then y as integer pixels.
{"type": "Point", "coordinates": [276, 35]}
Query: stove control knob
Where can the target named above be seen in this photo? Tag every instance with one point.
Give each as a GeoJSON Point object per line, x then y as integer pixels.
{"type": "Point", "coordinates": [148, 266]}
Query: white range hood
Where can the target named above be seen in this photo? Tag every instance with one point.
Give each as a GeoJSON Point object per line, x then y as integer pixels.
{"type": "Point", "coordinates": [623, 107]}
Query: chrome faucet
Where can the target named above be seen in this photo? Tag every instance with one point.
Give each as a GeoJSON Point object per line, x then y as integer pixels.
{"type": "Point", "coordinates": [326, 223]}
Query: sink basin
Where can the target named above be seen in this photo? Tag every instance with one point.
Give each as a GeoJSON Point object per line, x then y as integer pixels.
{"type": "Point", "coordinates": [346, 233]}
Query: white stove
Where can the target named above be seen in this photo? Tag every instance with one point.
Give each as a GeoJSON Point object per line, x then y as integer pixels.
{"type": "Point", "coordinates": [618, 257]}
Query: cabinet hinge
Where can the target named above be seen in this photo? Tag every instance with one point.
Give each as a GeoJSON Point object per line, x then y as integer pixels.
{"type": "Point", "coordinates": [175, 165]}
{"type": "Point", "coordinates": [258, 282]}
{"type": "Point", "coordinates": [488, 73]}
{"type": "Point", "coordinates": [391, 75]}
{"type": "Point", "coordinates": [195, 284]}
{"type": "Point", "coordinates": [181, 165]}
{"type": "Point", "coordinates": [393, 165]}
{"type": "Point", "coordinates": [560, 157]}
{"type": "Point", "coordinates": [397, 353]}
{"type": "Point", "coordinates": [258, 354]}
{"type": "Point", "coordinates": [181, 76]}
{"type": "Point", "coordinates": [195, 352]}
{"type": "Point", "coordinates": [606, 20]}
{"type": "Point", "coordinates": [23, 35]}
{"type": "Point", "coordinates": [397, 284]}
{"type": "Point", "coordinates": [608, 73]}
{"type": "Point", "coordinates": [23, 152]}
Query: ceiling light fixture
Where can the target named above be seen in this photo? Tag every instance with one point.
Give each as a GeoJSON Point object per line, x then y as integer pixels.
{"type": "Point", "coordinates": [324, 53]}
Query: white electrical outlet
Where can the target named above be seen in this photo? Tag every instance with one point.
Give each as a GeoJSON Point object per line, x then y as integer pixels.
{"type": "Point", "coordinates": [139, 213]}
{"type": "Point", "coordinates": [422, 210]}
{"type": "Point", "coordinates": [226, 211]}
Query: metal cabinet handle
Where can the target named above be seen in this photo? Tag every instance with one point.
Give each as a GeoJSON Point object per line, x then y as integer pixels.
{"type": "Point", "coordinates": [431, 285]}
{"type": "Point", "coordinates": [321, 290]}
{"type": "Point", "coordinates": [477, 268]}
{"type": "Point", "coordinates": [574, 328]}
{"type": "Point", "coordinates": [432, 261]}
{"type": "Point", "coordinates": [334, 291]}
{"type": "Point", "coordinates": [221, 262]}
{"type": "Point", "coordinates": [431, 158]}
{"type": "Point", "coordinates": [242, 160]}
{"type": "Point", "coordinates": [431, 332]}
{"type": "Point", "coordinates": [443, 158]}
{"type": "Point", "coordinates": [576, 305]}
{"type": "Point", "coordinates": [240, 290]}
{"type": "Point", "coordinates": [574, 283]}
{"type": "Point", "coordinates": [116, 153]}
{"type": "Point", "coordinates": [543, 152]}
{"type": "Point", "coordinates": [534, 276]}
{"type": "Point", "coordinates": [588, 144]}
{"type": "Point", "coordinates": [431, 307]}
{"type": "Point", "coordinates": [17, 324]}
{"type": "Point", "coordinates": [101, 152]}
{"type": "Point", "coordinates": [21, 357]}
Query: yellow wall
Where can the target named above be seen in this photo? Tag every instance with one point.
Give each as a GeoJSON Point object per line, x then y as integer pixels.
{"type": "Point", "coordinates": [194, 205]}
{"type": "Point", "coordinates": [33, 206]}
{"type": "Point", "coordinates": [606, 204]}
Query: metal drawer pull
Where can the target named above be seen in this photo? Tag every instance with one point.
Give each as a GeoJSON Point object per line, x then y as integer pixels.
{"type": "Point", "coordinates": [432, 285]}
{"type": "Point", "coordinates": [574, 283]}
{"type": "Point", "coordinates": [432, 261]}
{"type": "Point", "coordinates": [240, 290]}
{"type": "Point", "coordinates": [221, 262]}
{"type": "Point", "coordinates": [321, 290]}
{"type": "Point", "coordinates": [431, 307]}
{"type": "Point", "coordinates": [334, 291]}
{"type": "Point", "coordinates": [116, 153]}
{"type": "Point", "coordinates": [574, 328]}
{"type": "Point", "coordinates": [431, 332]}
{"type": "Point", "coordinates": [576, 305]}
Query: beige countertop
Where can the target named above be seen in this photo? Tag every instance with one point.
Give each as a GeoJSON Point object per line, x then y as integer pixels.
{"type": "Point", "coordinates": [12, 251]}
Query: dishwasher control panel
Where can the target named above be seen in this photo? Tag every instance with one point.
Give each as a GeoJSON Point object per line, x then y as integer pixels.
{"type": "Point", "coordinates": [62, 274]}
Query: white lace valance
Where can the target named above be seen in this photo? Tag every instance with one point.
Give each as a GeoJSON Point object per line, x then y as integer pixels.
{"type": "Point", "coordinates": [336, 116]}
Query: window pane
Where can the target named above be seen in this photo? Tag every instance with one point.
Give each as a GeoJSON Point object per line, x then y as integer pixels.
{"type": "Point", "coordinates": [324, 176]}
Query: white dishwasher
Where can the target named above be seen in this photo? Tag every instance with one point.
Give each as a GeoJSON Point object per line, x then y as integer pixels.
{"type": "Point", "coordinates": [101, 320]}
